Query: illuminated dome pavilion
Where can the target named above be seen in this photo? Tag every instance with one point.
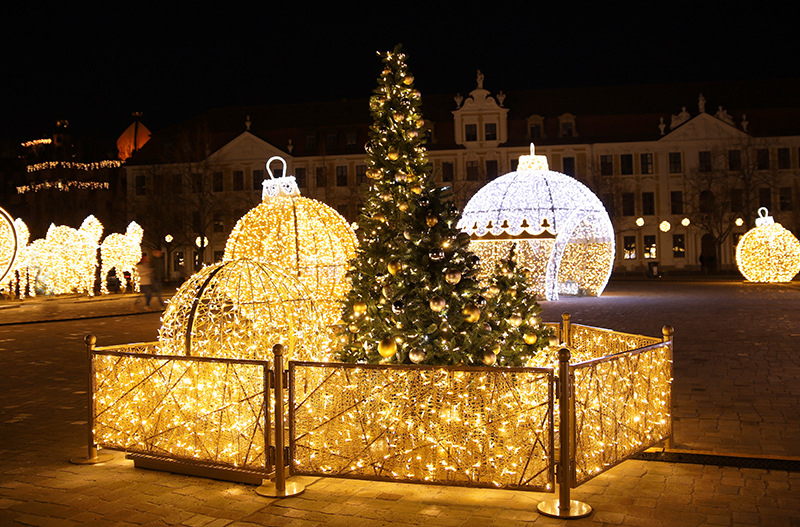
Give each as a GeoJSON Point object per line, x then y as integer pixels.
{"type": "Point", "coordinates": [563, 233]}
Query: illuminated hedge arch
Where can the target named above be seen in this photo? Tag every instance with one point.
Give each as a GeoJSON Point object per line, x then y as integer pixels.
{"type": "Point", "coordinates": [563, 232]}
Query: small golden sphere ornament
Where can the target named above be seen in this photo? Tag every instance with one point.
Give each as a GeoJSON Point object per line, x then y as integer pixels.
{"type": "Point", "coordinates": [379, 217]}
{"type": "Point", "coordinates": [359, 308]}
{"type": "Point", "coordinates": [437, 303]}
{"type": "Point", "coordinates": [393, 155]}
{"type": "Point", "coordinates": [493, 291]}
{"type": "Point", "coordinates": [353, 328]}
{"type": "Point", "coordinates": [552, 341]}
{"type": "Point", "coordinates": [417, 356]}
{"type": "Point", "coordinates": [413, 134]}
{"type": "Point", "coordinates": [374, 173]}
{"type": "Point", "coordinates": [472, 313]}
{"type": "Point", "coordinates": [386, 196]}
{"type": "Point", "coordinates": [394, 267]}
{"type": "Point", "coordinates": [399, 116]}
{"type": "Point", "coordinates": [530, 338]}
{"type": "Point", "coordinates": [488, 357]}
{"type": "Point", "coordinates": [387, 347]}
{"type": "Point", "coordinates": [515, 320]}
{"type": "Point", "coordinates": [408, 79]}
{"type": "Point", "coordinates": [452, 276]}
{"type": "Point", "coordinates": [403, 206]}
{"type": "Point", "coordinates": [416, 189]}
{"type": "Point", "coordinates": [431, 220]}
{"type": "Point", "coordinates": [400, 177]}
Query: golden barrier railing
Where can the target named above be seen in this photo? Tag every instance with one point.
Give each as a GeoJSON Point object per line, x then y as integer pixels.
{"type": "Point", "coordinates": [194, 410]}
{"type": "Point", "coordinates": [482, 427]}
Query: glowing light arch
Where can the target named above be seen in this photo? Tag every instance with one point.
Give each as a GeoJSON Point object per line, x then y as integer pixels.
{"type": "Point", "coordinates": [562, 229]}
{"type": "Point", "coordinates": [9, 244]}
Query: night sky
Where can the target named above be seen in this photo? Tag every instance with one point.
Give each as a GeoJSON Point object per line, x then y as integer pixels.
{"type": "Point", "coordinates": [94, 68]}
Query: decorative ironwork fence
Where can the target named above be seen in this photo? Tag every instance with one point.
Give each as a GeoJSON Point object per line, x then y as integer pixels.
{"type": "Point", "coordinates": [488, 427]}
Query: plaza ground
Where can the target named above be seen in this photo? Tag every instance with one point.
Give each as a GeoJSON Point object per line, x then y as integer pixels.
{"type": "Point", "coordinates": [736, 392]}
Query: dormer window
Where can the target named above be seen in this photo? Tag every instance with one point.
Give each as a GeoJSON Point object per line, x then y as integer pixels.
{"type": "Point", "coordinates": [536, 130]}
{"type": "Point", "coordinates": [567, 125]}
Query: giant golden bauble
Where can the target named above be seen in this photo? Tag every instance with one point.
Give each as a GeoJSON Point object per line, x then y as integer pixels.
{"type": "Point", "coordinates": [768, 253]}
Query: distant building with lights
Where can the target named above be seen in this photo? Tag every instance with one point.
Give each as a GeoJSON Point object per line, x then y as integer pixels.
{"type": "Point", "coordinates": [675, 165]}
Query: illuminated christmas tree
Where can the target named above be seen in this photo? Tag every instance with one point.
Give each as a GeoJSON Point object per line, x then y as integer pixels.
{"type": "Point", "coordinates": [415, 297]}
{"type": "Point", "coordinates": [514, 315]}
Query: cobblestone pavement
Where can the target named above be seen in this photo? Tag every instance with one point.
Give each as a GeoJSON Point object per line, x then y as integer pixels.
{"type": "Point", "coordinates": [737, 382]}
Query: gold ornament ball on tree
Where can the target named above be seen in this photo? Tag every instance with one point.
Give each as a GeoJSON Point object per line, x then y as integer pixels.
{"type": "Point", "coordinates": [359, 308]}
{"type": "Point", "coordinates": [472, 313]}
{"type": "Point", "coordinates": [431, 220]}
{"type": "Point", "coordinates": [437, 303]}
{"type": "Point", "coordinates": [393, 155]}
{"type": "Point", "coordinates": [400, 177]}
{"type": "Point", "coordinates": [530, 338]}
{"type": "Point", "coordinates": [417, 356]}
{"type": "Point", "coordinates": [452, 276]}
{"type": "Point", "coordinates": [416, 189]}
{"type": "Point", "coordinates": [402, 206]}
{"type": "Point", "coordinates": [515, 320]}
{"type": "Point", "coordinates": [399, 117]}
{"type": "Point", "coordinates": [353, 328]}
{"type": "Point", "coordinates": [379, 217]}
{"type": "Point", "coordinates": [387, 347]}
{"type": "Point", "coordinates": [488, 357]}
{"type": "Point", "coordinates": [394, 267]}
{"type": "Point", "coordinates": [408, 80]}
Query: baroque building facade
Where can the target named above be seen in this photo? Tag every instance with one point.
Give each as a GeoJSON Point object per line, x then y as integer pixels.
{"type": "Point", "coordinates": [682, 177]}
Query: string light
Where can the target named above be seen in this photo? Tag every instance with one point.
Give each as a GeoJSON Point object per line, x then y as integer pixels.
{"type": "Point", "coordinates": [63, 186]}
{"type": "Point", "coordinates": [37, 142]}
{"type": "Point", "coordinates": [301, 235]}
{"type": "Point", "coordinates": [121, 252]}
{"type": "Point", "coordinates": [69, 257]}
{"type": "Point", "coordinates": [47, 165]}
{"type": "Point", "coordinates": [563, 232]}
{"type": "Point", "coordinates": [768, 252]}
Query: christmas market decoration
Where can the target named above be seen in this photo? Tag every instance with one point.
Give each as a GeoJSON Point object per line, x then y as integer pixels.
{"type": "Point", "coordinates": [239, 309]}
{"type": "Point", "coordinates": [300, 235]}
{"type": "Point", "coordinates": [563, 233]}
{"type": "Point", "coordinates": [411, 251]}
{"type": "Point", "coordinates": [768, 252]}
{"type": "Point", "coordinates": [9, 244]}
{"type": "Point", "coordinates": [515, 319]}
{"type": "Point", "coordinates": [121, 252]}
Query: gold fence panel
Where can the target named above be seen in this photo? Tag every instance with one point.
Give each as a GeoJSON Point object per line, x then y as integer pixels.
{"type": "Point", "coordinates": [186, 408]}
{"type": "Point", "coordinates": [592, 343]}
{"type": "Point", "coordinates": [622, 407]}
{"type": "Point", "coordinates": [485, 427]}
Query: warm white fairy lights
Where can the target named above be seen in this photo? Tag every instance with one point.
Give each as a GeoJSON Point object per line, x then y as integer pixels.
{"type": "Point", "coordinates": [664, 226]}
{"type": "Point", "coordinates": [300, 235]}
{"type": "Point", "coordinates": [9, 244]}
{"type": "Point", "coordinates": [63, 186]}
{"type": "Point", "coordinates": [37, 142]}
{"type": "Point", "coordinates": [121, 252]}
{"type": "Point", "coordinates": [564, 234]}
{"type": "Point", "coordinates": [768, 252]}
{"type": "Point", "coordinates": [47, 165]}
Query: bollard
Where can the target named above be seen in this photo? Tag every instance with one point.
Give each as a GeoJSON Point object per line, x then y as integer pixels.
{"type": "Point", "coordinates": [563, 506]}
{"type": "Point", "coordinates": [93, 456]}
{"type": "Point", "coordinates": [279, 488]}
{"type": "Point", "coordinates": [668, 332]}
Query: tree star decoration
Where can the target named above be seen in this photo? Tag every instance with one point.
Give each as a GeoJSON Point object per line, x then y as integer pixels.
{"type": "Point", "coordinates": [300, 235]}
{"type": "Point", "coordinates": [563, 233]}
{"type": "Point", "coordinates": [768, 252]}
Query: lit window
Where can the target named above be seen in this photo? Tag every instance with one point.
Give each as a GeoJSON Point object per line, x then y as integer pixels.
{"type": "Point", "coordinates": [678, 246]}
{"type": "Point", "coordinates": [629, 247]}
{"type": "Point", "coordinates": [650, 247]}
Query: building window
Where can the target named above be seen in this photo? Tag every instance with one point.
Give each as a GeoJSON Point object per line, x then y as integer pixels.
{"type": "Point", "coordinates": [258, 179]}
{"type": "Point", "coordinates": [177, 183]}
{"type": "Point", "coordinates": [219, 225]}
{"type": "Point", "coordinates": [322, 177]}
{"type": "Point", "coordinates": [629, 247]}
{"type": "Point", "coordinates": [342, 209]}
{"type": "Point", "coordinates": [784, 159]}
{"type": "Point", "coordinates": [628, 204]}
{"type": "Point", "coordinates": [707, 201]}
{"type": "Point", "coordinates": [737, 200]}
{"type": "Point", "coordinates": [648, 203]}
{"type": "Point", "coordinates": [311, 142]}
{"type": "Point", "coordinates": [765, 198]}
{"type": "Point", "coordinates": [238, 180]}
{"type": "Point", "coordinates": [626, 164]}
{"type": "Point", "coordinates": [352, 139]}
{"type": "Point", "coordinates": [447, 171]}
{"type": "Point", "coordinates": [470, 132]}
{"type": "Point", "coordinates": [646, 161]}
{"type": "Point", "coordinates": [178, 261]}
{"type": "Point", "coordinates": [607, 165]}
{"type": "Point", "coordinates": [734, 160]}
{"type": "Point", "coordinates": [675, 163]}
{"type": "Point", "coordinates": [218, 255]}
{"type": "Point", "coordinates": [704, 161]}
{"type": "Point", "coordinates": [536, 130]}
{"type": "Point", "coordinates": [490, 130]}
{"type": "Point", "coordinates": [676, 202]}
{"type": "Point", "coordinates": [361, 174]}
{"type": "Point", "coordinates": [650, 246]}
{"type": "Point", "coordinates": [341, 176]}
{"type": "Point", "coordinates": [785, 197]}
{"type": "Point", "coordinates": [197, 183]}
{"type": "Point", "coordinates": [567, 129]}
{"type": "Point", "coordinates": [332, 141]}
{"type": "Point", "coordinates": [141, 185]}
{"type": "Point", "coordinates": [300, 177]}
{"type": "Point", "coordinates": [491, 169]}
{"type": "Point", "coordinates": [472, 171]}
{"type": "Point", "coordinates": [568, 165]}
{"type": "Point", "coordinates": [218, 182]}
{"type": "Point", "coordinates": [762, 158]}
{"type": "Point", "coordinates": [678, 245]}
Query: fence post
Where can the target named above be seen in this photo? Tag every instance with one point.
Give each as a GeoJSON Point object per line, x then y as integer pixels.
{"type": "Point", "coordinates": [279, 488]}
{"type": "Point", "coordinates": [93, 457]}
{"type": "Point", "coordinates": [668, 333]}
{"type": "Point", "coordinates": [566, 329]}
{"type": "Point", "coordinates": [563, 506]}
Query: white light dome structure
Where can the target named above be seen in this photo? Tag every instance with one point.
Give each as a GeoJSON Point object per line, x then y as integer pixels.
{"type": "Point", "coordinates": [563, 232]}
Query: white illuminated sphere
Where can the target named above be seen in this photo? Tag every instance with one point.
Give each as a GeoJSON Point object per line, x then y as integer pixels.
{"type": "Point", "coordinates": [563, 233]}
